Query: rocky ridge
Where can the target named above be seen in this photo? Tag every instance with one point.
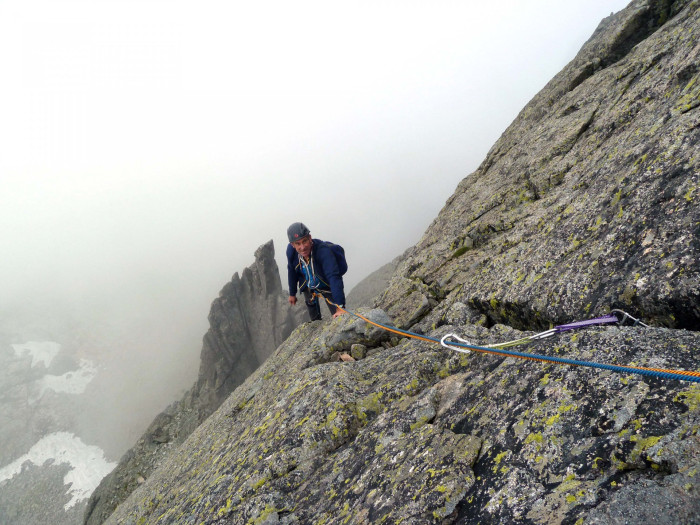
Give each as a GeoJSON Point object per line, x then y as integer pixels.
{"type": "Point", "coordinates": [588, 202]}
{"type": "Point", "coordinates": [414, 433]}
{"type": "Point", "coordinates": [368, 289]}
{"type": "Point", "coordinates": [248, 320]}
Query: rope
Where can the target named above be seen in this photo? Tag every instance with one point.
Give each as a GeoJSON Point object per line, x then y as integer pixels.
{"type": "Point", "coordinates": [464, 346]}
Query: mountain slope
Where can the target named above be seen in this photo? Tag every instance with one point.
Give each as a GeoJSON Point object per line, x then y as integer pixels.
{"type": "Point", "coordinates": [588, 202]}
{"type": "Point", "coordinates": [248, 320]}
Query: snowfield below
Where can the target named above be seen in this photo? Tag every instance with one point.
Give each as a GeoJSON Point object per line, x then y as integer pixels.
{"type": "Point", "coordinates": [88, 464]}
{"type": "Point", "coordinates": [74, 382]}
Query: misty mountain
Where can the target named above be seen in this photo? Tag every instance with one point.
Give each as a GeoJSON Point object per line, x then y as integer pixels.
{"type": "Point", "coordinates": [69, 409]}
{"type": "Point", "coordinates": [68, 402]}
{"type": "Point", "coordinates": [248, 321]}
{"type": "Point", "coordinates": [587, 204]}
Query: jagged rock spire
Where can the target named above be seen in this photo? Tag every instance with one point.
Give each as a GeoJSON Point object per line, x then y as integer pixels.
{"type": "Point", "coordinates": [248, 320]}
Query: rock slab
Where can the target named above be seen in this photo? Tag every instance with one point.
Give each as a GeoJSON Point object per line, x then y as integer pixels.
{"type": "Point", "coordinates": [587, 203]}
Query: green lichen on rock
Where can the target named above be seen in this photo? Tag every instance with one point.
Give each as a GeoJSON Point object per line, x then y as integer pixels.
{"type": "Point", "coordinates": [625, 164]}
{"type": "Point", "coordinates": [389, 438]}
{"type": "Point", "coordinates": [586, 203]}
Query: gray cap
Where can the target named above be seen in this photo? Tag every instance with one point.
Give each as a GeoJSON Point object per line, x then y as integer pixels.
{"type": "Point", "coordinates": [296, 231]}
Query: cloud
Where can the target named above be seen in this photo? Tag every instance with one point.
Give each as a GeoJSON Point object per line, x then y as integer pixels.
{"type": "Point", "coordinates": [150, 147]}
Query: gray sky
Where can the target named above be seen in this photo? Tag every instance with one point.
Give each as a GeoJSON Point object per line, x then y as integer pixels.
{"type": "Point", "coordinates": [149, 147]}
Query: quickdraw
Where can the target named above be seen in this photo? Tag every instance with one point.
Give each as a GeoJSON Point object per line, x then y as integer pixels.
{"type": "Point", "coordinates": [464, 346]}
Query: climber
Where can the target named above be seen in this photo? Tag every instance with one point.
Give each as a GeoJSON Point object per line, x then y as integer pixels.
{"type": "Point", "coordinates": [315, 266]}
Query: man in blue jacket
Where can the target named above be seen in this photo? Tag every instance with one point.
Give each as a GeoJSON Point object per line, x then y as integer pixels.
{"type": "Point", "coordinates": [312, 267]}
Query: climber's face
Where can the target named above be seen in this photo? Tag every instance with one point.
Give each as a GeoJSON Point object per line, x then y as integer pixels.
{"type": "Point", "coordinates": [303, 246]}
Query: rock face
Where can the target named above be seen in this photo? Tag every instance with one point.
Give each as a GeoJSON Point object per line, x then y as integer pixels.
{"type": "Point", "coordinates": [414, 433]}
{"type": "Point", "coordinates": [588, 202]}
{"type": "Point", "coordinates": [248, 320]}
{"type": "Point", "coordinates": [368, 289]}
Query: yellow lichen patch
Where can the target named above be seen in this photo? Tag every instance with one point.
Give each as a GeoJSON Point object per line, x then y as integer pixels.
{"type": "Point", "coordinates": [264, 515]}
{"type": "Point", "coordinates": [421, 421]}
{"type": "Point", "coordinates": [225, 509]}
{"type": "Point", "coordinates": [534, 438]}
{"type": "Point", "coordinates": [553, 419]}
{"type": "Point", "coordinates": [691, 96]}
{"type": "Point", "coordinates": [500, 456]}
{"type": "Point", "coordinates": [645, 443]}
{"type": "Point", "coordinates": [690, 397]}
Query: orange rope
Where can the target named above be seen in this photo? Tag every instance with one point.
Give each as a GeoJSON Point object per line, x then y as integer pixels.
{"type": "Point", "coordinates": [687, 373]}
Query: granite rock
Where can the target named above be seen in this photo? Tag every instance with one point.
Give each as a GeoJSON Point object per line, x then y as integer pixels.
{"type": "Point", "coordinates": [588, 202]}
{"type": "Point", "coordinates": [248, 320]}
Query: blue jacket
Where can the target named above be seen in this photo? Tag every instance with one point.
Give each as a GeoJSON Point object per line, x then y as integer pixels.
{"type": "Point", "coordinates": [325, 267]}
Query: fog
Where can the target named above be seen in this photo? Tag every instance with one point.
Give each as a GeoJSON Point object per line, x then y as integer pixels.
{"type": "Point", "coordinates": [148, 148]}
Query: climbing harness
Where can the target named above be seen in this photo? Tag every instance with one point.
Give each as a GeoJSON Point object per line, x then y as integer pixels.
{"type": "Point", "coordinates": [464, 346]}
{"type": "Point", "coordinates": [312, 281]}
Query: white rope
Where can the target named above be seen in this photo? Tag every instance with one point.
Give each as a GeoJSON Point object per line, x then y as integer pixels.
{"type": "Point", "coordinates": [530, 338]}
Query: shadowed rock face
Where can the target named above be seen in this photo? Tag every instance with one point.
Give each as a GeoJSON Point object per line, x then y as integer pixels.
{"type": "Point", "coordinates": [248, 320]}
{"type": "Point", "coordinates": [587, 202]}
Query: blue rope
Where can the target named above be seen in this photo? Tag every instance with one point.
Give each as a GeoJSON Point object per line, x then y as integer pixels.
{"type": "Point", "coordinates": [510, 353]}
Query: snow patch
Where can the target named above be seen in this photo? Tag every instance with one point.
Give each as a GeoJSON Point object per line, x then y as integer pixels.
{"type": "Point", "coordinates": [43, 351]}
{"type": "Point", "coordinates": [88, 463]}
{"type": "Point", "coordinates": [74, 382]}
